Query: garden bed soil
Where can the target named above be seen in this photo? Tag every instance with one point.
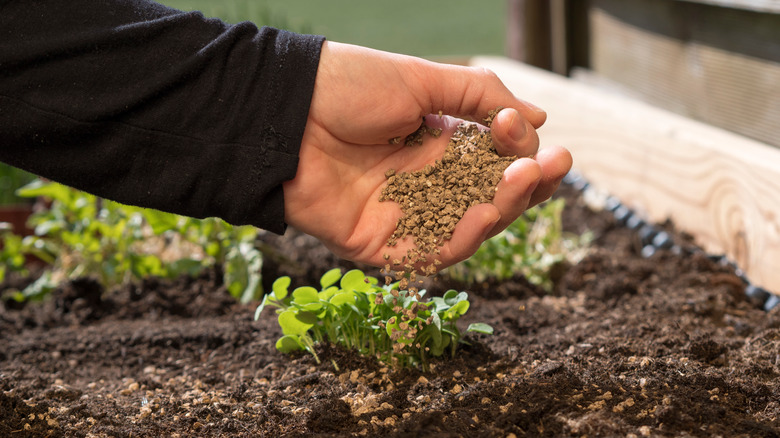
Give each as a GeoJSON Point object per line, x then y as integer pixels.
{"type": "Point", "coordinates": [626, 346]}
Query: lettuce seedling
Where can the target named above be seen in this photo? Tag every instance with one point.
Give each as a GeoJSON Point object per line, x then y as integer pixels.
{"type": "Point", "coordinates": [79, 234]}
{"type": "Point", "coordinates": [531, 246]}
{"type": "Point", "coordinates": [382, 321]}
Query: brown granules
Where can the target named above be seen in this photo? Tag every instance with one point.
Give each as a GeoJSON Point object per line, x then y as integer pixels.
{"type": "Point", "coordinates": [435, 198]}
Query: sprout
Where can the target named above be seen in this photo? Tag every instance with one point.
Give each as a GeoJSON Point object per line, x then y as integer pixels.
{"type": "Point", "coordinates": [382, 321]}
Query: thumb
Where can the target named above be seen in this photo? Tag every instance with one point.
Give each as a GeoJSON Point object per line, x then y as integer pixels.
{"type": "Point", "coordinates": [513, 134]}
{"type": "Point", "coordinates": [472, 92]}
{"type": "Point", "coordinates": [473, 228]}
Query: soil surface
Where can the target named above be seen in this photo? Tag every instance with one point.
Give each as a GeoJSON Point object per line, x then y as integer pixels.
{"type": "Point", "coordinates": [626, 346]}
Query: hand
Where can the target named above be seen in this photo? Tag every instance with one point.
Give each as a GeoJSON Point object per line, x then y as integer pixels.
{"type": "Point", "coordinates": [363, 98]}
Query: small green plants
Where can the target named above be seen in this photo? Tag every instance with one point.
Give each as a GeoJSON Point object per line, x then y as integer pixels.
{"type": "Point", "coordinates": [351, 310]}
{"type": "Point", "coordinates": [79, 234]}
{"type": "Point", "coordinates": [11, 179]}
{"type": "Point", "coordinates": [12, 252]}
{"type": "Point", "coordinates": [531, 246]}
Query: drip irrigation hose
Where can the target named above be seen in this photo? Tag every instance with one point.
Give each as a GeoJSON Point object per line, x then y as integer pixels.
{"type": "Point", "coordinates": [654, 239]}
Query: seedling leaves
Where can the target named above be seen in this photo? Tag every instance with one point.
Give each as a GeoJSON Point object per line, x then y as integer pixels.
{"type": "Point", "coordinates": [330, 278]}
{"type": "Point", "coordinates": [280, 287]}
{"type": "Point", "coordinates": [288, 344]}
{"type": "Point", "coordinates": [296, 323]}
{"type": "Point", "coordinates": [480, 327]}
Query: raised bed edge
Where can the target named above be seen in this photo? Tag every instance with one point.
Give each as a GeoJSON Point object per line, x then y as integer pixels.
{"type": "Point", "coordinates": [722, 188]}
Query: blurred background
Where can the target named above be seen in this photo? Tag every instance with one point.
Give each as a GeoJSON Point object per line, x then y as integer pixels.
{"type": "Point", "coordinates": [716, 61]}
{"type": "Point", "coordinates": [433, 28]}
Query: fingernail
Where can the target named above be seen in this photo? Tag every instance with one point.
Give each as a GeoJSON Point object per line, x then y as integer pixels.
{"type": "Point", "coordinates": [536, 109]}
{"type": "Point", "coordinates": [517, 129]}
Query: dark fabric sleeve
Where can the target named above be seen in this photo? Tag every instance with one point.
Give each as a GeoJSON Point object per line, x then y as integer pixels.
{"type": "Point", "coordinates": [150, 106]}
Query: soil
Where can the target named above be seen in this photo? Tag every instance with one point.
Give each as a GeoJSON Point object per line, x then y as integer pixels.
{"type": "Point", "coordinates": [626, 346]}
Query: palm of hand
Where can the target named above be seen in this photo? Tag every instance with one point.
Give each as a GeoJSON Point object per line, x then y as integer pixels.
{"type": "Point", "coordinates": [363, 98]}
{"type": "Point", "coordinates": [349, 178]}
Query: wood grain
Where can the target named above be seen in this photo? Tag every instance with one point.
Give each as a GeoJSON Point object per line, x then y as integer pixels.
{"type": "Point", "coordinates": [717, 65]}
{"type": "Point", "coordinates": [753, 5]}
{"type": "Point", "coordinates": [722, 188]}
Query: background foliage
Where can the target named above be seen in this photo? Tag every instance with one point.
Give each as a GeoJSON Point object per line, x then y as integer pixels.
{"type": "Point", "coordinates": [431, 28]}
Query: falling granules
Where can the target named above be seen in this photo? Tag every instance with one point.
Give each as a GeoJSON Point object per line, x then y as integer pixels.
{"type": "Point", "coordinates": [435, 198]}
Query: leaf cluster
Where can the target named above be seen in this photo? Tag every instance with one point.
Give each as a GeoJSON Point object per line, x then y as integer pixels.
{"type": "Point", "coordinates": [351, 310]}
{"type": "Point", "coordinates": [12, 252]}
{"type": "Point", "coordinates": [531, 246]}
{"type": "Point", "coordinates": [79, 234]}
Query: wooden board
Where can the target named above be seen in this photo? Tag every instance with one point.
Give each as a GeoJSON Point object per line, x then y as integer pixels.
{"type": "Point", "coordinates": [722, 188]}
{"type": "Point", "coordinates": [717, 65]}
{"type": "Point", "coordinates": [772, 6]}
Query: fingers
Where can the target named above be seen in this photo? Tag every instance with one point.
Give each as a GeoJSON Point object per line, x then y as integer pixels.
{"type": "Point", "coordinates": [515, 191]}
{"type": "Point", "coordinates": [486, 220]}
{"type": "Point", "coordinates": [513, 134]}
{"type": "Point", "coordinates": [472, 92]}
{"type": "Point", "coordinates": [469, 233]}
{"type": "Point", "coordinates": [555, 162]}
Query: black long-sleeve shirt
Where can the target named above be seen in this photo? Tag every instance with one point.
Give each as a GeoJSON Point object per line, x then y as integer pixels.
{"type": "Point", "coordinates": [150, 106]}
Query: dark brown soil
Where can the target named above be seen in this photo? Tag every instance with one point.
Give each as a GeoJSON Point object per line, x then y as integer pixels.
{"type": "Point", "coordinates": [627, 346]}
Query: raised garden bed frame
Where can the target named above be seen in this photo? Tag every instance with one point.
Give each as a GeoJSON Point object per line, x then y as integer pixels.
{"type": "Point", "coordinates": [720, 187]}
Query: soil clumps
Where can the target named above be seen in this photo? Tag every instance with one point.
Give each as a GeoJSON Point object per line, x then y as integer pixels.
{"type": "Point", "coordinates": [625, 346]}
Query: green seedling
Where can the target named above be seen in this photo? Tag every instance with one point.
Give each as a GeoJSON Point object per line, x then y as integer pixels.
{"type": "Point", "coordinates": [83, 235]}
{"type": "Point", "coordinates": [531, 246]}
{"type": "Point", "coordinates": [11, 251]}
{"type": "Point", "coordinates": [381, 321]}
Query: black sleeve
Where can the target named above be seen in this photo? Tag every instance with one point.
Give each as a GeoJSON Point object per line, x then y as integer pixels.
{"type": "Point", "coordinates": [150, 106]}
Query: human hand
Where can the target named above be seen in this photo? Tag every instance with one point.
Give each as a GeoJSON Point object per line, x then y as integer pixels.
{"type": "Point", "coordinates": [363, 98]}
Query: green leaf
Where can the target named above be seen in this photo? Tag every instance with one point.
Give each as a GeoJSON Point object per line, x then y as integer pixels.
{"type": "Point", "coordinates": [242, 267]}
{"type": "Point", "coordinates": [160, 221]}
{"type": "Point", "coordinates": [355, 280]}
{"type": "Point", "coordinates": [434, 330]}
{"type": "Point", "coordinates": [260, 308]}
{"type": "Point", "coordinates": [311, 307]}
{"type": "Point", "coordinates": [480, 327]}
{"type": "Point", "coordinates": [289, 343]}
{"type": "Point", "coordinates": [305, 295]}
{"type": "Point", "coordinates": [295, 322]}
{"type": "Point", "coordinates": [326, 294]}
{"type": "Point", "coordinates": [395, 326]}
{"type": "Point", "coordinates": [342, 298]}
{"type": "Point", "coordinates": [330, 278]}
{"type": "Point", "coordinates": [446, 339]}
{"type": "Point", "coordinates": [436, 320]}
{"type": "Point", "coordinates": [461, 307]}
{"type": "Point", "coordinates": [453, 297]}
{"type": "Point", "coordinates": [184, 267]}
{"type": "Point", "coordinates": [39, 187]}
{"type": "Point", "coordinates": [280, 287]}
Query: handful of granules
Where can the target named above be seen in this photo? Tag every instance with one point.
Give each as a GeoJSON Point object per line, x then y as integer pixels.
{"type": "Point", "coordinates": [435, 198]}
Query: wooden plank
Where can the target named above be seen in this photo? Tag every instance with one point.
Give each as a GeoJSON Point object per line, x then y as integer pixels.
{"type": "Point", "coordinates": [559, 47]}
{"type": "Point", "coordinates": [528, 32]}
{"type": "Point", "coordinates": [720, 66]}
{"type": "Point", "coordinates": [772, 6]}
{"type": "Point", "coordinates": [722, 188]}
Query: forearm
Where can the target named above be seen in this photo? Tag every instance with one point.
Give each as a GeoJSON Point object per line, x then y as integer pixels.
{"type": "Point", "coordinates": [155, 107]}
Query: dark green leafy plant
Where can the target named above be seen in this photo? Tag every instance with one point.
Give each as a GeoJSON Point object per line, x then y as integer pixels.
{"type": "Point", "coordinates": [11, 179]}
{"type": "Point", "coordinates": [353, 311]}
{"type": "Point", "coordinates": [531, 246]}
{"type": "Point", "coordinates": [82, 235]}
{"type": "Point", "coordinates": [12, 252]}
